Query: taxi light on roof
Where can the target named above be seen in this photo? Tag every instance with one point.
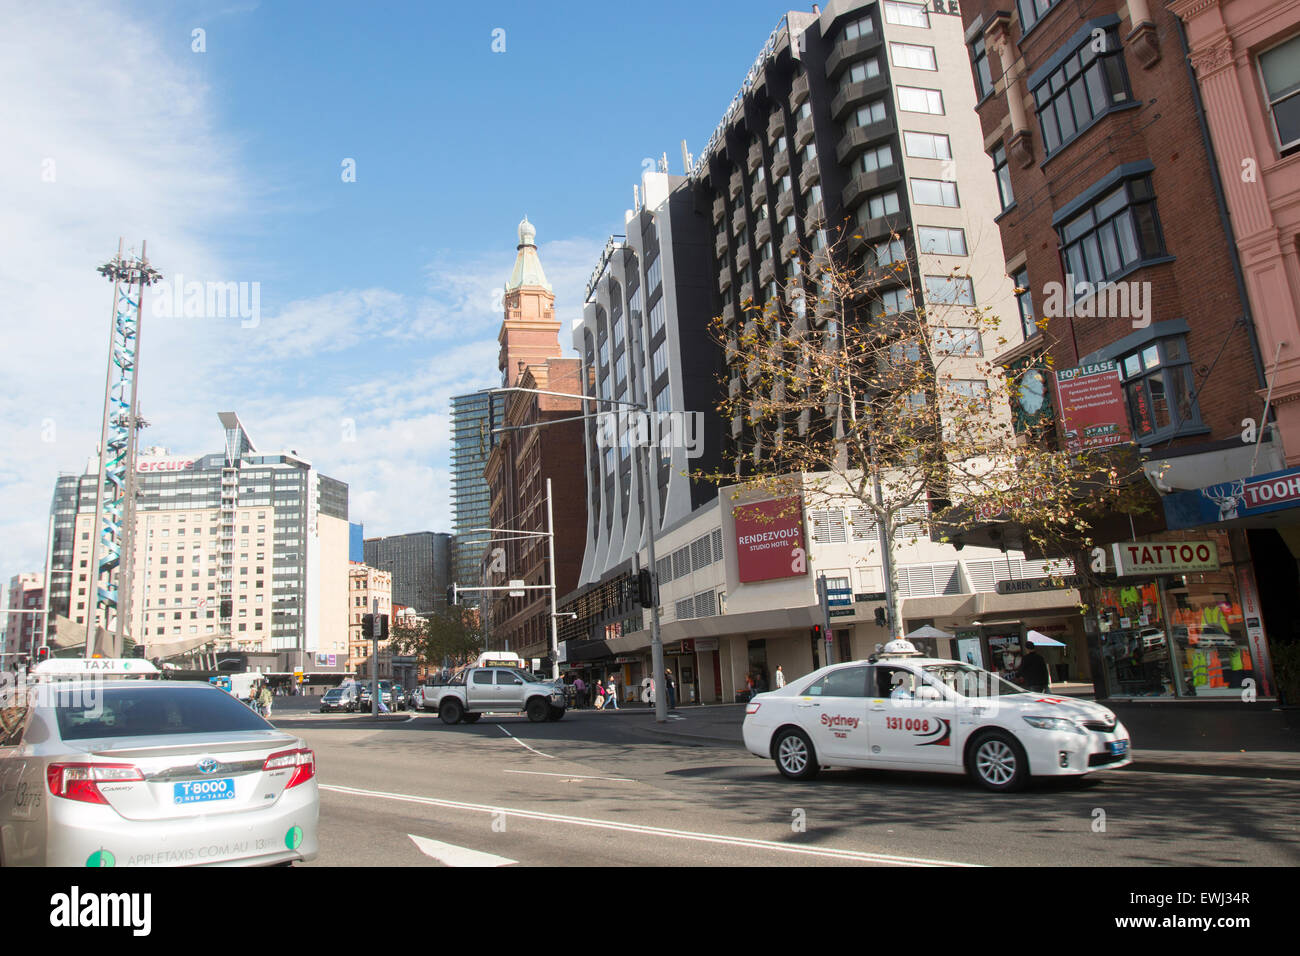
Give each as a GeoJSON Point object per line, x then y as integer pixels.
{"type": "Point", "coordinates": [900, 647]}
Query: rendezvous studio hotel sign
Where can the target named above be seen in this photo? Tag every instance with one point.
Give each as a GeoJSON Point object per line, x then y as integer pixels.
{"type": "Point", "coordinates": [770, 540]}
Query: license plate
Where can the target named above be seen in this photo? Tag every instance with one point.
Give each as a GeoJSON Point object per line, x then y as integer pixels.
{"type": "Point", "coordinates": [201, 791]}
{"type": "Point", "coordinates": [1119, 746]}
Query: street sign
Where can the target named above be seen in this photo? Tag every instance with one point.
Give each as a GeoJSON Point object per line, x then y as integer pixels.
{"type": "Point", "coordinates": [845, 612]}
{"type": "Point", "coordinates": [517, 584]}
{"type": "Point", "coordinates": [839, 597]}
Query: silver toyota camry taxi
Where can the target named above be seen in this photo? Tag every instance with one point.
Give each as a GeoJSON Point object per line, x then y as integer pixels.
{"type": "Point", "coordinates": [149, 773]}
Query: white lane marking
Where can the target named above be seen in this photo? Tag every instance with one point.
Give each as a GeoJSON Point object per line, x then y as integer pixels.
{"type": "Point", "coordinates": [571, 776]}
{"type": "Point", "coordinates": [524, 745]}
{"type": "Point", "coordinates": [857, 856]}
{"type": "Point", "coordinates": [453, 855]}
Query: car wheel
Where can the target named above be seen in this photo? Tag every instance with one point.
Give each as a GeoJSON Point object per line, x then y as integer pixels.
{"type": "Point", "coordinates": [451, 712]}
{"type": "Point", "coordinates": [998, 762]}
{"type": "Point", "coordinates": [538, 710]}
{"type": "Point", "coordinates": [557, 713]}
{"type": "Point", "coordinates": [794, 754]}
{"type": "Point", "coordinates": [471, 718]}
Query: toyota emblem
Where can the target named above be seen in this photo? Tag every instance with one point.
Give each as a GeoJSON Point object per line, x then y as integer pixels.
{"type": "Point", "coordinates": [208, 765]}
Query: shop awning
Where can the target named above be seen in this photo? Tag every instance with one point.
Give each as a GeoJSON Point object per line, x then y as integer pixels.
{"type": "Point", "coordinates": [1042, 640]}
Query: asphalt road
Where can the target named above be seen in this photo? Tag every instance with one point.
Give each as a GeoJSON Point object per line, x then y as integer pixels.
{"type": "Point", "coordinates": [605, 790]}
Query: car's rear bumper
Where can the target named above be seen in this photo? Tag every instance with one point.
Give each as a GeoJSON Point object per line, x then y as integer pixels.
{"type": "Point", "coordinates": [81, 834]}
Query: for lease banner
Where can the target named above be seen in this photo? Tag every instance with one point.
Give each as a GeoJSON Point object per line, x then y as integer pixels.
{"type": "Point", "coordinates": [1091, 399]}
{"type": "Point", "coordinates": [770, 540]}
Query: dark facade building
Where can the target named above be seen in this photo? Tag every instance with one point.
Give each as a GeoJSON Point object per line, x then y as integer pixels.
{"type": "Point", "coordinates": [473, 417]}
{"type": "Point", "coordinates": [420, 565]}
{"type": "Point", "coordinates": [1115, 227]}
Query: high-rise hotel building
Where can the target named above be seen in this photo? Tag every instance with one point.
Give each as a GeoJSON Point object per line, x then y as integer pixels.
{"type": "Point", "coordinates": [473, 417]}
{"type": "Point", "coordinates": [856, 124]}
{"type": "Point", "coordinates": [247, 547]}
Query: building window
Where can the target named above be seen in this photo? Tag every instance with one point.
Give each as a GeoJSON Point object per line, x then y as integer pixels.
{"type": "Point", "coordinates": [950, 290]}
{"type": "Point", "coordinates": [1159, 388]}
{"type": "Point", "coordinates": [653, 275]}
{"type": "Point", "coordinates": [859, 28]}
{"type": "Point", "coordinates": [657, 317]}
{"type": "Point", "coordinates": [927, 145]}
{"type": "Point", "coordinates": [1031, 11]}
{"type": "Point", "coordinates": [659, 360]}
{"type": "Point", "coordinates": [1081, 90]}
{"type": "Point", "coordinates": [873, 112]}
{"type": "Point", "coordinates": [895, 301]}
{"type": "Point", "coordinates": [1280, 69]}
{"type": "Point", "coordinates": [1003, 173]}
{"type": "Point", "coordinates": [906, 14]}
{"type": "Point", "coordinates": [976, 389]}
{"type": "Point", "coordinates": [941, 241]}
{"type": "Point", "coordinates": [912, 99]}
{"type": "Point", "coordinates": [1025, 302]}
{"type": "Point", "coordinates": [979, 60]}
{"type": "Point", "coordinates": [1113, 235]}
{"type": "Point", "coordinates": [879, 204]}
{"type": "Point", "coordinates": [874, 159]}
{"type": "Point", "coordinates": [889, 252]}
{"type": "Point", "coordinates": [862, 71]}
{"type": "Point", "coordinates": [912, 56]}
{"type": "Point", "coordinates": [934, 192]}
{"type": "Point", "coordinates": [958, 341]}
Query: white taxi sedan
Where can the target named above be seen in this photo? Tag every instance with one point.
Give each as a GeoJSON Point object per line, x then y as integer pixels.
{"type": "Point", "coordinates": [904, 712]}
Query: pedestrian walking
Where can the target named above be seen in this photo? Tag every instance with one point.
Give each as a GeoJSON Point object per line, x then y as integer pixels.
{"type": "Point", "coordinates": [749, 686]}
{"type": "Point", "coordinates": [580, 689]}
{"type": "Point", "coordinates": [671, 687]}
{"type": "Point", "coordinates": [1033, 671]}
{"type": "Point", "coordinates": [599, 700]}
{"type": "Point", "coordinates": [611, 698]}
{"type": "Point", "coordinates": [780, 677]}
{"type": "Point", "coordinates": [266, 700]}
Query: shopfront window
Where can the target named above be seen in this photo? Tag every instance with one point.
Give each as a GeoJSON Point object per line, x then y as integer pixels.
{"type": "Point", "coordinates": [1133, 645]}
{"type": "Point", "coordinates": [1179, 635]}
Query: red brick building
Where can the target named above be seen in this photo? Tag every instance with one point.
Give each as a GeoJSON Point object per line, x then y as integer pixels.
{"type": "Point", "coordinates": [524, 459]}
{"type": "Point", "coordinates": [1114, 225]}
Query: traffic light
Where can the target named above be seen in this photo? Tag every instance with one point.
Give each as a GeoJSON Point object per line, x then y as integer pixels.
{"type": "Point", "coordinates": [367, 626]}
{"type": "Point", "coordinates": [453, 596]}
{"type": "Point", "coordinates": [42, 653]}
{"type": "Point", "coordinates": [381, 627]}
{"type": "Point", "coordinates": [880, 617]}
{"type": "Point", "coordinates": [817, 632]}
{"type": "Point", "coordinates": [645, 588]}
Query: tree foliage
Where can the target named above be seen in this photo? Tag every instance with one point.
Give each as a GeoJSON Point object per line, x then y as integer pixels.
{"type": "Point", "coordinates": [860, 395]}
{"type": "Point", "coordinates": [449, 637]}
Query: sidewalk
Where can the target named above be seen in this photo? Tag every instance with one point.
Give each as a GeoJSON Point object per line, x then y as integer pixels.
{"type": "Point", "coordinates": [1272, 750]}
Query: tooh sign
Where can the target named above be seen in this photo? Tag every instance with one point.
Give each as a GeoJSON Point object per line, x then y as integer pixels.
{"type": "Point", "coordinates": [1138, 558]}
{"type": "Point", "coordinates": [769, 540]}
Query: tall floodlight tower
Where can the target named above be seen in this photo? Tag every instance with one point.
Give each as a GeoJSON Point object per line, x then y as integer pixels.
{"type": "Point", "coordinates": [129, 274]}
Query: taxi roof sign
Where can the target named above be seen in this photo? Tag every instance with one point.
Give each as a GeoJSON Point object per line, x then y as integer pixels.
{"type": "Point", "coordinates": [899, 647]}
{"type": "Point", "coordinates": [70, 667]}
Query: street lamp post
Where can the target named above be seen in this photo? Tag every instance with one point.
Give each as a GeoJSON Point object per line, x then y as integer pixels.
{"type": "Point", "coordinates": [652, 502]}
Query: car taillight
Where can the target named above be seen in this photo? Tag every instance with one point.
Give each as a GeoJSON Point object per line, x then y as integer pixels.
{"type": "Point", "coordinates": [752, 708]}
{"type": "Point", "coordinates": [80, 781]}
{"type": "Point", "coordinates": [303, 761]}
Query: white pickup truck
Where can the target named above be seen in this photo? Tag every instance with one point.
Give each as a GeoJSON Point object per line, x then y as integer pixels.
{"type": "Point", "coordinates": [495, 690]}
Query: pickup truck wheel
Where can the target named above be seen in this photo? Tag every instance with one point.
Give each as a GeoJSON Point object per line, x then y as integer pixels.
{"type": "Point", "coordinates": [557, 713]}
{"type": "Point", "coordinates": [539, 710]}
{"type": "Point", "coordinates": [470, 718]}
{"type": "Point", "coordinates": [450, 712]}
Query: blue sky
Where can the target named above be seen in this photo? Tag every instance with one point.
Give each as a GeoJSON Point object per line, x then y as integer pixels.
{"type": "Point", "coordinates": [378, 298]}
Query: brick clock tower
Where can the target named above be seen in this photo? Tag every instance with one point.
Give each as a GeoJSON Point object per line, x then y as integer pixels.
{"type": "Point", "coordinates": [530, 333]}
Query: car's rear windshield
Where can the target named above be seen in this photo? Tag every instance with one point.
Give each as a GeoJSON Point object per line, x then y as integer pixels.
{"type": "Point", "coordinates": [144, 712]}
